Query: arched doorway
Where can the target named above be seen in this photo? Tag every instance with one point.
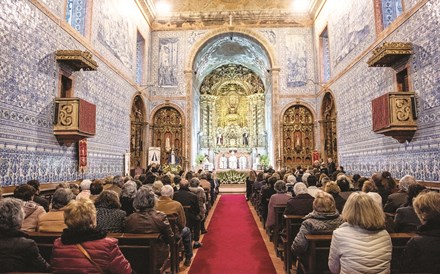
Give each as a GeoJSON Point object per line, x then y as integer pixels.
{"type": "Point", "coordinates": [298, 136]}
{"type": "Point", "coordinates": [167, 134]}
{"type": "Point", "coordinates": [137, 134]}
{"type": "Point", "coordinates": [328, 127]}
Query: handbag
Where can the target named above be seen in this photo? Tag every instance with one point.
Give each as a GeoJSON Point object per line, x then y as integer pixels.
{"type": "Point", "coordinates": [86, 254]}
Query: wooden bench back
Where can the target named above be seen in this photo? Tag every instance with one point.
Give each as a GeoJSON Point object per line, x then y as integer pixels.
{"type": "Point", "coordinates": [292, 225]}
{"type": "Point", "coordinates": [138, 249]}
{"type": "Point", "coordinates": [319, 248]}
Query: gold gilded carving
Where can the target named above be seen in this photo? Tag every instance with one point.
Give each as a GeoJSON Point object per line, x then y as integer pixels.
{"type": "Point", "coordinates": [390, 54]}
{"type": "Point", "coordinates": [403, 109]}
{"type": "Point", "coordinates": [168, 133]}
{"type": "Point", "coordinates": [298, 136]}
{"type": "Point", "coordinates": [76, 59]}
{"type": "Point", "coordinates": [65, 115]}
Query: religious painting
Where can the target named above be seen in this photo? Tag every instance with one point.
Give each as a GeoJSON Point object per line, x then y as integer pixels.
{"type": "Point", "coordinates": [168, 63]}
{"type": "Point", "coordinates": [351, 28]}
{"type": "Point", "coordinates": [296, 48]}
{"type": "Point", "coordinates": [298, 136]}
{"type": "Point", "coordinates": [114, 31]}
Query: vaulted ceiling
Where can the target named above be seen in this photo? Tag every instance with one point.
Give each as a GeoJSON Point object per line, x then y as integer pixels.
{"type": "Point", "coordinates": [171, 14]}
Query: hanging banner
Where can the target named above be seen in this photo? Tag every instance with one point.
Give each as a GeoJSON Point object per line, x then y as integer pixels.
{"type": "Point", "coordinates": [82, 155]}
{"type": "Point", "coordinates": [153, 155]}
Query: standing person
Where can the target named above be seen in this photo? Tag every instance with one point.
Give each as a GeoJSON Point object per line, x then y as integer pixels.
{"type": "Point", "coordinates": [422, 251]}
{"type": "Point", "coordinates": [187, 198]}
{"type": "Point", "coordinates": [69, 254]}
{"type": "Point", "coordinates": [250, 180]}
{"type": "Point", "coordinates": [146, 220]}
{"type": "Point", "coordinates": [361, 244]}
{"type": "Point", "coordinates": [17, 252]}
{"type": "Point", "coordinates": [331, 166]}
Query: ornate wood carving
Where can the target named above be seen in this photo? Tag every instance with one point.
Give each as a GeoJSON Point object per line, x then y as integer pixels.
{"type": "Point", "coordinates": [328, 124]}
{"type": "Point", "coordinates": [390, 54]}
{"type": "Point", "coordinates": [394, 115]}
{"type": "Point", "coordinates": [168, 133]}
{"type": "Point", "coordinates": [138, 124]}
{"type": "Point", "coordinates": [298, 136]}
{"type": "Point", "coordinates": [76, 59]}
{"type": "Point", "coordinates": [75, 119]}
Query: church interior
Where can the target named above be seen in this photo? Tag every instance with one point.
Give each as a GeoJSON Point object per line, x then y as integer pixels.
{"type": "Point", "coordinates": [97, 88]}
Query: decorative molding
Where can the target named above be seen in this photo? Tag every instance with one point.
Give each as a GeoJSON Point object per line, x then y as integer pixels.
{"type": "Point", "coordinates": [76, 59]}
{"type": "Point", "coordinates": [390, 54]}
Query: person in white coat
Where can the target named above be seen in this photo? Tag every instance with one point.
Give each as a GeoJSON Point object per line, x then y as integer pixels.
{"type": "Point", "coordinates": [361, 244]}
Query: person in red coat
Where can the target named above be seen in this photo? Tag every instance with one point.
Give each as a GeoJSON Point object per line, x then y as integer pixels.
{"type": "Point", "coordinates": [68, 255]}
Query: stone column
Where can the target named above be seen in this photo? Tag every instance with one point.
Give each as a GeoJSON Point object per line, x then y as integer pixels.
{"type": "Point", "coordinates": [187, 138]}
{"type": "Point", "coordinates": [276, 125]}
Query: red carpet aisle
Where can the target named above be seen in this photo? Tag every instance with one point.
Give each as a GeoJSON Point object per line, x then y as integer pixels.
{"type": "Point", "coordinates": [233, 243]}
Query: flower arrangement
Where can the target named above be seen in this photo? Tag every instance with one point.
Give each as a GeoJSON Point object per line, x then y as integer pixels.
{"type": "Point", "coordinates": [264, 160]}
{"type": "Point", "coordinates": [232, 177]}
{"type": "Point", "coordinates": [200, 158]}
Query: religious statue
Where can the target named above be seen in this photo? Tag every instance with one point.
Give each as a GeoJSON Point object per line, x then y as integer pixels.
{"type": "Point", "coordinates": [167, 141]}
{"type": "Point", "coordinates": [172, 158]}
{"type": "Point", "coordinates": [232, 161]}
{"type": "Point", "coordinates": [219, 138]}
{"type": "Point", "coordinates": [223, 162]}
{"type": "Point", "coordinates": [245, 139]}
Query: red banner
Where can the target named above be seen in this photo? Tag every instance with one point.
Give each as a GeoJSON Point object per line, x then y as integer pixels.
{"type": "Point", "coordinates": [82, 154]}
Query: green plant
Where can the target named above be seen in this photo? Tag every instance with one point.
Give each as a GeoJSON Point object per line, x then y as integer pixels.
{"type": "Point", "coordinates": [264, 160]}
{"type": "Point", "coordinates": [200, 158]}
{"type": "Point", "coordinates": [232, 177]}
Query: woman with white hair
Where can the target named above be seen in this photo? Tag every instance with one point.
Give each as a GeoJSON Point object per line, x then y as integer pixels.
{"type": "Point", "coordinates": [147, 219]}
{"type": "Point", "coordinates": [399, 198]}
{"type": "Point", "coordinates": [17, 252]}
{"type": "Point", "coordinates": [85, 189]}
{"type": "Point", "coordinates": [302, 203]}
{"type": "Point", "coordinates": [361, 244]}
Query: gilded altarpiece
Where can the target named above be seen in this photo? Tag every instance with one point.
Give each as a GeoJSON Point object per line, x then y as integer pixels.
{"type": "Point", "coordinates": [232, 112]}
{"type": "Point", "coordinates": [328, 127]}
{"type": "Point", "coordinates": [298, 136]}
{"type": "Point", "coordinates": [167, 134]}
{"type": "Point", "coordinates": [138, 125]}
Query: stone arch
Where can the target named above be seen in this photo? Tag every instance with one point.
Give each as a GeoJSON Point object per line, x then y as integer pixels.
{"type": "Point", "coordinates": [138, 125]}
{"type": "Point", "coordinates": [328, 127]}
{"type": "Point", "coordinates": [226, 30]}
{"type": "Point", "coordinates": [297, 135]}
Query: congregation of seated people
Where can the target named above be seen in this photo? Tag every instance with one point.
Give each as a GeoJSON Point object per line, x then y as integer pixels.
{"type": "Point", "coordinates": [359, 212]}
{"type": "Point", "coordinates": [84, 212]}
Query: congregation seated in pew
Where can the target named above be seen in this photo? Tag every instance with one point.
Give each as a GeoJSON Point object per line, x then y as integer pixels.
{"type": "Point", "coordinates": [84, 246]}
{"type": "Point", "coordinates": [53, 221]}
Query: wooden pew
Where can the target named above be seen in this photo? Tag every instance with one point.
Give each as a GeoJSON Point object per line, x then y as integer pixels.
{"type": "Point", "coordinates": [175, 247]}
{"type": "Point", "coordinates": [279, 225]}
{"type": "Point", "coordinates": [139, 249]}
{"type": "Point", "coordinates": [293, 224]}
{"type": "Point", "coordinates": [319, 248]}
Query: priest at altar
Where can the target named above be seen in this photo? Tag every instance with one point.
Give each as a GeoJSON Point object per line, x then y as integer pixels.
{"type": "Point", "coordinates": [232, 161]}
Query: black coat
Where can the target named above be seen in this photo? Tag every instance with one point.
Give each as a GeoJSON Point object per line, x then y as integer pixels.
{"type": "Point", "coordinates": [301, 204]}
{"type": "Point", "coordinates": [422, 251]}
{"type": "Point", "coordinates": [20, 254]}
{"type": "Point", "coordinates": [187, 198]}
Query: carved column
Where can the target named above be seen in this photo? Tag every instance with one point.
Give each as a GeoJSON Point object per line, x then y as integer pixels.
{"type": "Point", "coordinates": [187, 138]}
{"type": "Point", "coordinates": [275, 118]}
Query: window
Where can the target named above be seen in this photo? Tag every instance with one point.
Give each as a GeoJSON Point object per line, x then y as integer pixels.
{"type": "Point", "coordinates": [390, 10]}
{"type": "Point", "coordinates": [76, 14]}
{"type": "Point", "coordinates": [325, 55]}
{"type": "Point", "coordinates": [140, 58]}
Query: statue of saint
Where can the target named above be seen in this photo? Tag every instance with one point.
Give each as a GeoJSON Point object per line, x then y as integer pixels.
{"type": "Point", "coordinates": [245, 139]}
